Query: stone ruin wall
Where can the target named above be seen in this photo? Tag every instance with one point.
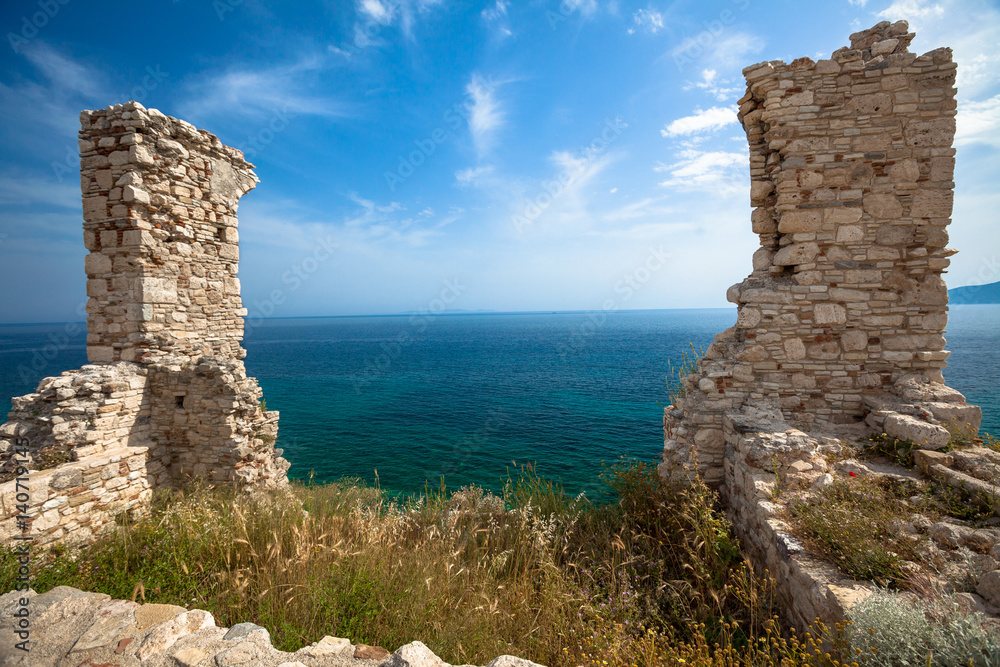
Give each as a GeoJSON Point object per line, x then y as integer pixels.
{"type": "Point", "coordinates": [851, 166]}
{"type": "Point", "coordinates": [159, 208]}
{"type": "Point", "coordinates": [166, 396]}
{"type": "Point", "coordinates": [839, 331]}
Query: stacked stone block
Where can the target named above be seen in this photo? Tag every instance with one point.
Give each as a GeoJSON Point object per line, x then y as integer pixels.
{"type": "Point", "coordinates": [851, 167]}
{"type": "Point", "coordinates": [839, 329]}
{"type": "Point", "coordinates": [93, 426]}
{"type": "Point", "coordinates": [166, 397]}
{"type": "Point", "coordinates": [159, 206]}
{"type": "Point", "coordinates": [208, 411]}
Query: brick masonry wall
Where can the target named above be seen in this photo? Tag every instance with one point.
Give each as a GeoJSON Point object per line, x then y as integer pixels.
{"type": "Point", "coordinates": [159, 204]}
{"type": "Point", "coordinates": [166, 397]}
{"type": "Point", "coordinates": [851, 167]}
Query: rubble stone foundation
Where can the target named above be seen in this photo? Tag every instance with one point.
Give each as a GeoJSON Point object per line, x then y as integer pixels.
{"type": "Point", "coordinates": [166, 396]}
{"type": "Point", "coordinates": [839, 328]}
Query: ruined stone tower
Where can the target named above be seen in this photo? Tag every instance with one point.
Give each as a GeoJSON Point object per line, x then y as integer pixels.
{"type": "Point", "coordinates": [166, 396]}
{"type": "Point", "coordinates": [839, 331]}
{"type": "Point", "coordinates": [159, 209]}
{"type": "Point", "coordinates": [851, 168]}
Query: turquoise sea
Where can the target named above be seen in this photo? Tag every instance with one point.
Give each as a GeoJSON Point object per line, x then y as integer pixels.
{"type": "Point", "coordinates": [469, 396]}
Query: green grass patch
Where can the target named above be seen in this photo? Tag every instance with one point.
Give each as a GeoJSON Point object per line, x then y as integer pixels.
{"type": "Point", "coordinates": [653, 577]}
{"type": "Point", "coordinates": [854, 524]}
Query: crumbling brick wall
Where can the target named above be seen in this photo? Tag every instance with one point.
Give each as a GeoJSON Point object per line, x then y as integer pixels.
{"type": "Point", "coordinates": [166, 397]}
{"type": "Point", "coordinates": [159, 204]}
{"type": "Point", "coordinates": [839, 329]}
{"type": "Point", "coordinates": [851, 167]}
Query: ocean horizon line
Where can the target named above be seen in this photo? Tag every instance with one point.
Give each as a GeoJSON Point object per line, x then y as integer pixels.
{"type": "Point", "coordinates": [410, 313]}
{"type": "Point", "coordinates": [454, 313]}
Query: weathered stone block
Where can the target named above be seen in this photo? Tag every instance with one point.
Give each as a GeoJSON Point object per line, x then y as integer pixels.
{"type": "Point", "coordinates": [932, 203]}
{"type": "Point", "coordinates": [97, 263]}
{"type": "Point", "coordinates": [795, 349]}
{"type": "Point", "coordinates": [156, 290]}
{"type": "Point", "coordinates": [797, 253]}
{"type": "Point", "coordinates": [921, 433]}
{"type": "Point", "coordinates": [883, 207]}
{"type": "Point", "coordinates": [850, 234]}
{"type": "Point", "coordinates": [800, 221]}
{"type": "Point", "coordinates": [829, 313]}
{"type": "Point", "coordinates": [842, 215]}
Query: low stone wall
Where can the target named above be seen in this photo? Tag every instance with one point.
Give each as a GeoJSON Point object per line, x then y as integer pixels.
{"type": "Point", "coordinates": [79, 414]}
{"type": "Point", "coordinates": [761, 451]}
{"type": "Point", "coordinates": [71, 627]}
{"type": "Point", "coordinates": [74, 502]}
{"type": "Point", "coordinates": [95, 442]}
{"type": "Point", "coordinates": [167, 397]}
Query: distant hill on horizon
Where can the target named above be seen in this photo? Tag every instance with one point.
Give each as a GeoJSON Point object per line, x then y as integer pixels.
{"type": "Point", "coordinates": [989, 293]}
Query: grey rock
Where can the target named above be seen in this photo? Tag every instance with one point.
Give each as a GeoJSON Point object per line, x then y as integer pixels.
{"type": "Point", "coordinates": [989, 587]}
{"type": "Point", "coordinates": [511, 661]}
{"type": "Point", "coordinates": [980, 540]}
{"type": "Point", "coordinates": [162, 636]}
{"type": "Point", "coordinates": [246, 653]}
{"type": "Point", "coordinates": [949, 535]}
{"type": "Point", "coordinates": [189, 657]}
{"type": "Point", "coordinates": [970, 603]}
{"type": "Point", "coordinates": [110, 624]}
{"type": "Point", "coordinates": [242, 630]}
{"type": "Point", "coordinates": [414, 654]}
{"type": "Point", "coordinates": [982, 563]}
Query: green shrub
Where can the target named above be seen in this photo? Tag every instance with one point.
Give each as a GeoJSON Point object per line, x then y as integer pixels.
{"type": "Point", "coordinates": [853, 524]}
{"type": "Point", "coordinates": [652, 577]}
{"type": "Point", "coordinates": [888, 630]}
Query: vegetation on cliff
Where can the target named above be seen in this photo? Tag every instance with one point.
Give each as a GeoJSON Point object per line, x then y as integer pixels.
{"type": "Point", "coordinates": [653, 578]}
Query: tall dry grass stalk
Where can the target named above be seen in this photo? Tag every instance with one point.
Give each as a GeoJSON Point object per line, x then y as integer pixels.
{"type": "Point", "coordinates": [651, 578]}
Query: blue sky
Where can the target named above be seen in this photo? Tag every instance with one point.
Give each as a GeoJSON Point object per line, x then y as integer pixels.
{"type": "Point", "coordinates": [510, 156]}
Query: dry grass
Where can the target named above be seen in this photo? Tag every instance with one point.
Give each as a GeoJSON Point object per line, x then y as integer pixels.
{"type": "Point", "coordinates": [854, 524]}
{"type": "Point", "coordinates": [652, 578]}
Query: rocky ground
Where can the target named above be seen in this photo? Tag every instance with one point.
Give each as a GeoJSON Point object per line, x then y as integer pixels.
{"type": "Point", "coordinates": [957, 557]}
{"type": "Point", "coordinates": [72, 628]}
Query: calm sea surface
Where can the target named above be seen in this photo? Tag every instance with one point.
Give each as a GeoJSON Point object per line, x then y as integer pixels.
{"type": "Point", "coordinates": [467, 397]}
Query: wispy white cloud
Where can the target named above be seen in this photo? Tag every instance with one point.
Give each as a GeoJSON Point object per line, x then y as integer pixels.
{"type": "Point", "coordinates": [409, 10]}
{"type": "Point", "coordinates": [858, 3]}
{"type": "Point", "coordinates": [978, 72]}
{"type": "Point", "coordinates": [33, 190]}
{"type": "Point", "coordinates": [972, 30]}
{"type": "Point", "coordinates": [648, 20]}
{"type": "Point", "coordinates": [495, 12]}
{"type": "Point", "coordinates": [377, 11]}
{"type": "Point", "coordinates": [56, 97]}
{"type": "Point", "coordinates": [646, 207]}
{"type": "Point", "coordinates": [713, 85]}
{"type": "Point", "coordinates": [911, 9]}
{"type": "Point", "coordinates": [585, 7]}
{"type": "Point", "coordinates": [391, 223]}
{"type": "Point", "coordinates": [474, 175]}
{"type": "Point", "coordinates": [580, 168]}
{"type": "Point", "coordinates": [978, 122]}
{"type": "Point", "coordinates": [65, 73]}
{"type": "Point", "coordinates": [262, 92]}
{"type": "Point", "coordinates": [495, 16]}
{"type": "Point", "coordinates": [709, 120]}
{"type": "Point", "coordinates": [726, 50]}
{"type": "Point", "coordinates": [485, 114]}
{"type": "Point", "coordinates": [376, 17]}
{"type": "Point", "coordinates": [721, 172]}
